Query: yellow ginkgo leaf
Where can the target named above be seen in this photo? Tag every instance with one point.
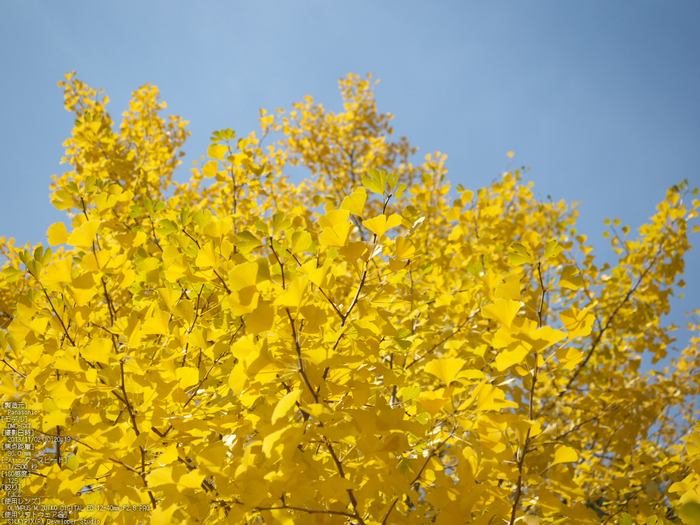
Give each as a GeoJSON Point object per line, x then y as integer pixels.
{"type": "Point", "coordinates": [293, 295]}
{"type": "Point", "coordinates": [163, 476]}
{"type": "Point", "coordinates": [209, 169]}
{"type": "Point", "coordinates": [552, 249]}
{"type": "Point", "coordinates": [543, 338]}
{"type": "Point", "coordinates": [417, 224]}
{"type": "Point", "coordinates": [354, 203]}
{"type": "Point", "coordinates": [62, 396]}
{"type": "Point", "coordinates": [170, 296]}
{"type": "Point", "coordinates": [564, 454]}
{"type": "Point", "coordinates": [163, 515]}
{"type": "Point", "coordinates": [84, 236]}
{"type": "Point", "coordinates": [508, 358]}
{"type": "Point", "coordinates": [445, 369]}
{"type": "Point", "coordinates": [380, 224]}
{"type": "Point", "coordinates": [207, 257]}
{"type": "Point", "coordinates": [396, 265]}
{"type": "Point", "coordinates": [57, 234]}
{"type": "Point", "coordinates": [404, 248]}
{"type": "Point", "coordinates": [271, 440]}
{"type": "Point", "coordinates": [99, 350]}
{"type": "Point", "coordinates": [218, 228]}
{"type": "Point", "coordinates": [318, 411]}
{"type": "Point", "coordinates": [285, 405]}
{"type": "Point", "coordinates": [318, 275]}
{"type": "Point", "coordinates": [509, 288]}
{"type": "Point", "coordinates": [169, 455]}
{"type": "Point", "coordinates": [217, 151]}
{"type": "Point", "coordinates": [569, 358]}
{"type": "Point", "coordinates": [68, 363]}
{"type": "Point", "coordinates": [519, 255]}
{"type": "Point", "coordinates": [157, 324]}
{"type": "Point", "coordinates": [72, 462]}
{"type": "Point", "coordinates": [432, 402]}
{"type": "Point", "coordinates": [689, 510]}
{"type": "Point", "coordinates": [184, 310]}
{"type": "Point", "coordinates": [237, 379]}
{"type": "Point", "coordinates": [300, 242]}
{"type": "Point", "coordinates": [502, 310]}
{"type": "Point", "coordinates": [409, 392]}
{"type": "Point", "coordinates": [334, 218]}
{"type": "Point", "coordinates": [58, 272]}
{"type": "Point", "coordinates": [282, 517]}
{"type": "Point", "coordinates": [489, 397]}
{"type": "Point", "coordinates": [243, 275]}
{"type": "Point", "coordinates": [335, 235]}
{"type": "Point", "coordinates": [261, 319]}
{"type": "Point", "coordinates": [54, 419]}
{"type": "Point", "coordinates": [570, 278]}
{"type": "Point", "coordinates": [192, 480]}
{"type": "Point", "coordinates": [578, 323]}
{"type": "Point", "coordinates": [187, 376]}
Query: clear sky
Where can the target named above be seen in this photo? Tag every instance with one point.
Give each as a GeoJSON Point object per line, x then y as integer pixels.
{"type": "Point", "coordinates": [601, 99]}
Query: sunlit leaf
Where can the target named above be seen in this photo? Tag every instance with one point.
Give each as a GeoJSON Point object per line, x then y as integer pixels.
{"type": "Point", "coordinates": [570, 278]}
{"type": "Point", "coordinates": [285, 405]}
{"type": "Point", "coordinates": [564, 454]}
{"type": "Point", "coordinates": [354, 203]}
{"type": "Point", "coordinates": [57, 234]}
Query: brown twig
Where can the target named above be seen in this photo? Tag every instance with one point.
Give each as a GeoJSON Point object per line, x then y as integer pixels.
{"type": "Point", "coordinates": [523, 452]}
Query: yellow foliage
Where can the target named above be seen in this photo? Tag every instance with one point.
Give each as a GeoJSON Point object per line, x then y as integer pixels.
{"type": "Point", "coordinates": [240, 349]}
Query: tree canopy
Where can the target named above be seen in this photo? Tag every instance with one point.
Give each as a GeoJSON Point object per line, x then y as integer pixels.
{"type": "Point", "coordinates": [367, 346]}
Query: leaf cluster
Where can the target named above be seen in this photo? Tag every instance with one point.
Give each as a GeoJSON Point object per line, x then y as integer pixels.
{"type": "Point", "coordinates": [361, 347]}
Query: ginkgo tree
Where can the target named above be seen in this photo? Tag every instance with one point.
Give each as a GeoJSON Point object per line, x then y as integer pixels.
{"type": "Point", "coordinates": [368, 346]}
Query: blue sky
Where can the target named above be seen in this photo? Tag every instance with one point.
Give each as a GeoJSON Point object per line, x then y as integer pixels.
{"type": "Point", "coordinates": [600, 99]}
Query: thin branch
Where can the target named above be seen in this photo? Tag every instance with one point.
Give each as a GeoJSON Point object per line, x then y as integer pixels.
{"type": "Point", "coordinates": [605, 327]}
{"type": "Point", "coordinates": [337, 310]}
{"type": "Point", "coordinates": [524, 450]}
{"type": "Point", "coordinates": [228, 290]}
{"type": "Point", "coordinates": [13, 368]}
{"type": "Point", "coordinates": [272, 247]}
{"type": "Point", "coordinates": [300, 361]}
{"type": "Point", "coordinates": [434, 347]}
{"type": "Point", "coordinates": [110, 306]}
{"type": "Point", "coordinates": [418, 476]}
{"type": "Point", "coordinates": [60, 319]}
{"type": "Point", "coordinates": [196, 389]}
{"type": "Point", "coordinates": [309, 511]}
{"type": "Point", "coordinates": [195, 240]}
{"type": "Point", "coordinates": [153, 230]}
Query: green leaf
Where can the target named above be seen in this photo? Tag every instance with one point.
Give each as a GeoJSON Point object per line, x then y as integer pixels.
{"type": "Point", "coordinates": [518, 255]}
{"type": "Point", "coordinates": [280, 222]}
{"type": "Point", "coordinates": [570, 278]}
{"type": "Point", "coordinates": [393, 179]}
{"type": "Point", "coordinates": [261, 227]}
{"type": "Point", "coordinates": [167, 227]}
{"type": "Point", "coordinates": [381, 224]}
{"type": "Point", "coordinates": [372, 185]}
{"type": "Point", "coordinates": [246, 242]}
{"type": "Point", "coordinates": [375, 181]}
{"type": "Point", "coordinates": [553, 249]}
{"type": "Point", "coordinates": [301, 242]}
{"type": "Point", "coordinates": [399, 193]}
{"type": "Point", "coordinates": [626, 519]}
{"type": "Point", "coordinates": [475, 268]}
